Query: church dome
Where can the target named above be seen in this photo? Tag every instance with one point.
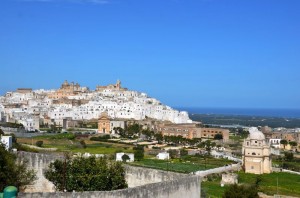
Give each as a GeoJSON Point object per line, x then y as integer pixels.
{"type": "Point", "coordinates": [256, 134]}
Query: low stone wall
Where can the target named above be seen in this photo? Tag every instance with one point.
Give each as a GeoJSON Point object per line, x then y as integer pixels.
{"type": "Point", "coordinates": [138, 176]}
{"type": "Point", "coordinates": [39, 148]}
{"type": "Point", "coordinates": [142, 182]}
{"type": "Point", "coordinates": [231, 167]}
{"type": "Point", "coordinates": [185, 187]}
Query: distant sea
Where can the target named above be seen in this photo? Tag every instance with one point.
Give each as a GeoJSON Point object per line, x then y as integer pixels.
{"type": "Point", "coordinates": [281, 113]}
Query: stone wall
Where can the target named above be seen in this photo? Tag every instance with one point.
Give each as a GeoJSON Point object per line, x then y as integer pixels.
{"type": "Point", "coordinates": [39, 162]}
{"type": "Point", "coordinates": [138, 176]}
{"type": "Point", "coordinates": [231, 167]}
{"type": "Point", "coordinates": [185, 187]}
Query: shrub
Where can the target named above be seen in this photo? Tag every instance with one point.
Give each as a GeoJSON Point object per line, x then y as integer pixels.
{"type": "Point", "coordinates": [100, 138]}
{"type": "Point", "coordinates": [83, 144]}
{"type": "Point", "coordinates": [39, 143]}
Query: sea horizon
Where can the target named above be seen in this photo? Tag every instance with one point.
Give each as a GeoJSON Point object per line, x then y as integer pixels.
{"type": "Point", "coordinates": [264, 112]}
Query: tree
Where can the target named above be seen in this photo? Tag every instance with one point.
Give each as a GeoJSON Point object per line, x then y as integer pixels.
{"type": "Point", "coordinates": [82, 143]}
{"type": "Point", "coordinates": [183, 152]}
{"type": "Point", "coordinates": [241, 191]}
{"type": "Point", "coordinates": [284, 142]}
{"type": "Point", "coordinates": [125, 158]}
{"type": "Point", "coordinates": [133, 130]}
{"type": "Point", "coordinates": [293, 143]}
{"type": "Point", "coordinates": [288, 156]}
{"type": "Point", "coordinates": [208, 145]}
{"type": "Point", "coordinates": [1, 132]}
{"type": "Point", "coordinates": [39, 143]}
{"type": "Point", "coordinates": [138, 153]}
{"type": "Point", "coordinates": [86, 174]}
{"type": "Point", "coordinates": [159, 137]}
{"type": "Point", "coordinates": [173, 153]}
{"type": "Point", "coordinates": [148, 133]}
{"type": "Point", "coordinates": [194, 141]}
{"type": "Point", "coordinates": [13, 171]}
{"type": "Point", "coordinates": [120, 131]}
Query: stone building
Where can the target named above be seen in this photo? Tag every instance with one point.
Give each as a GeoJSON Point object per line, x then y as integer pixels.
{"type": "Point", "coordinates": [104, 123]}
{"type": "Point", "coordinates": [68, 89]}
{"type": "Point", "coordinates": [286, 135]}
{"type": "Point", "coordinates": [116, 87]}
{"type": "Point", "coordinates": [229, 179]}
{"type": "Point", "coordinates": [24, 90]}
{"type": "Point", "coordinates": [108, 125]}
{"type": "Point", "coordinates": [191, 131]}
{"type": "Point", "coordinates": [256, 153]}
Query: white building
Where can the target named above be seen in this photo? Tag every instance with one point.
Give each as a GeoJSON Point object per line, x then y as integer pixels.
{"type": "Point", "coordinates": [30, 122]}
{"type": "Point", "coordinates": [163, 156]}
{"type": "Point", "coordinates": [7, 141]}
{"type": "Point", "coordinates": [120, 155]}
{"type": "Point", "coordinates": [274, 143]}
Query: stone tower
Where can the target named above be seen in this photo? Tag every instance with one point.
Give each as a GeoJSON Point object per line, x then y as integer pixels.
{"type": "Point", "coordinates": [118, 85]}
{"type": "Point", "coordinates": [256, 153]}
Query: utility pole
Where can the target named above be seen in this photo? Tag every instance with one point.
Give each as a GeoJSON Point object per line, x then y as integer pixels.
{"type": "Point", "coordinates": [277, 185]}
{"type": "Point", "coordinates": [64, 176]}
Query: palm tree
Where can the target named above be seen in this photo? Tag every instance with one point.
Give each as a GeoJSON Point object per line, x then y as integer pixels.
{"type": "Point", "coordinates": [284, 142]}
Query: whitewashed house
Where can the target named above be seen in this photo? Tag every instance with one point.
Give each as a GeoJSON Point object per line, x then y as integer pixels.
{"type": "Point", "coordinates": [163, 156]}
{"type": "Point", "coordinates": [7, 141]}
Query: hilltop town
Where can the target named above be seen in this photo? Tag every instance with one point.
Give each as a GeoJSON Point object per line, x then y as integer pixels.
{"type": "Point", "coordinates": [72, 103]}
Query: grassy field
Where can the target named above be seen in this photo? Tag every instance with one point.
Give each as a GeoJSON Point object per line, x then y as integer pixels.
{"type": "Point", "coordinates": [187, 164]}
{"type": "Point", "coordinates": [58, 136]}
{"type": "Point", "coordinates": [288, 184]}
{"type": "Point", "coordinates": [213, 189]}
{"type": "Point", "coordinates": [67, 142]}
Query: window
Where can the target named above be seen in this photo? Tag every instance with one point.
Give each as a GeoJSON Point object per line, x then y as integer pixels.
{"type": "Point", "coordinates": [253, 153]}
{"type": "Point", "coordinates": [252, 167]}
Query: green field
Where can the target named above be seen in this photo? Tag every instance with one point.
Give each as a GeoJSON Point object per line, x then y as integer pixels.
{"type": "Point", "coordinates": [56, 136]}
{"type": "Point", "coordinates": [187, 164]}
{"type": "Point", "coordinates": [288, 184]}
{"type": "Point", "coordinates": [103, 148]}
{"type": "Point", "coordinates": [67, 142]}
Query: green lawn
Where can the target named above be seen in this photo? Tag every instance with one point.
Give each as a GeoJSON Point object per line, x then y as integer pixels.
{"type": "Point", "coordinates": [102, 148]}
{"type": "Point", "coordinates": [213, 188]}
{"type": "Point", "coordinates": [187, 164]}
{"type": "Point", "coordinates": [288, 184]}
{"type": "Point", "coordinates": [66, 142]}
{"type": "Point", "coordinates": [56, 136]}
{"type": "Point", "coordinates": [96, 148]}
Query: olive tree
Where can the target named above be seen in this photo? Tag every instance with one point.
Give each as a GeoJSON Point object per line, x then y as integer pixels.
{"type": "Point", "coordinates": [86, 174]}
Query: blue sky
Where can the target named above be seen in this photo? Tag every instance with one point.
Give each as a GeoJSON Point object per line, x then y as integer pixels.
{"type": "Point", "coordinates": [188, 53]}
